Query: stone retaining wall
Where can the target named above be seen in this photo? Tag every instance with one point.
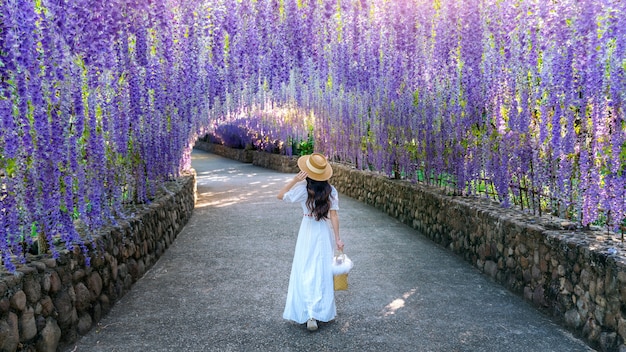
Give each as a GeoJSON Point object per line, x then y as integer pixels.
{"type": "Point", "coordinates": [560, 269]}
{"type": "Point", "coordinates": [567, 272]}
{"type": "Point", "coordinates": [271, 161]}
{"type": "Point", "coordinates": [276, 162]}
{"type": "Point", "coordinates": [242, 155]}
{"type": "Point", "coordinates": [48, 303]}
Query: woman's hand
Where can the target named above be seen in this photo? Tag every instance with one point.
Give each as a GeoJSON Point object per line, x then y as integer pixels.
{"type": "Point", "coordinates": [339, 244]}
{"type": "Point", "coordinates": [301, 176]}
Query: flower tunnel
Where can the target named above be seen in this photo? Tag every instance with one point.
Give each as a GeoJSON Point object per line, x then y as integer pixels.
{"type": "Point", "coordinates": [102, 101]}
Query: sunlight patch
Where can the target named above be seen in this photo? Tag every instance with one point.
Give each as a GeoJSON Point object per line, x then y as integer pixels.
{"type": "Point", "coordinates": [397, 303]}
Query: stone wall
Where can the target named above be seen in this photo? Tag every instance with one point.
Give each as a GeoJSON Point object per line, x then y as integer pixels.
{"type": "Point", "coordinates": [577, 276]}
{"type": "Point", "coordinates": [570, 273]}
{"type": "Point", "coordinates": [242, 155]}
{"type": "Point", "coordinates": [276, 162]}
{"type": "Point", "coordinates": [48, 303]}
{"type": "Point", "coordinates": [271, 161]}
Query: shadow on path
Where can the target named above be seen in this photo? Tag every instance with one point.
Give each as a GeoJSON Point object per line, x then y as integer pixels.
{"type": "Point", "coordinates": [222, 285]}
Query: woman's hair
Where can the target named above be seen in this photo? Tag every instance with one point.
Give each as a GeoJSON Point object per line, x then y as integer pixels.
{"type": "Point", "coordinates": [318, 200]}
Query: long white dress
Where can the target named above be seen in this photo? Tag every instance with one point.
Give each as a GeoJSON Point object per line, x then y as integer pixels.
{"type": "Point", "coordinates": [311, 293]}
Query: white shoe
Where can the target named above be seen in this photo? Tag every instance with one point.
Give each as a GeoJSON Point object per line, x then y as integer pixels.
{"type": "Point", "coordinates": [311, 324]}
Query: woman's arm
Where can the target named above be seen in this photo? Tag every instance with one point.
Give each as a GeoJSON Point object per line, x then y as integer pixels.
{"type": "Point", "coordinates": [301, 176]}
{"type": "Point", "coordinates": [334, 220]}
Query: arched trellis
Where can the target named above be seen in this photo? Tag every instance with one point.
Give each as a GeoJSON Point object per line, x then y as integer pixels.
{"type": "Point", "coordinates": [100, 102]}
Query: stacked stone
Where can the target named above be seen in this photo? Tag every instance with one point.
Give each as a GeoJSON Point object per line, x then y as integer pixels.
{"type": "Point", "coordinates": [48, 302]}
{"type": "Point", "coordinates": [276, 162]}
{"type": "Point", "coordinates": [270, 161]}
{"type": "Point", "coordinates": [576, 275]}
{"type": "Point", "coordinates": [241, 155]}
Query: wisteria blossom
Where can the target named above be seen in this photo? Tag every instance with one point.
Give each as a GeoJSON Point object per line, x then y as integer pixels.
{"type": "Point", "coordinates": [101, 101]}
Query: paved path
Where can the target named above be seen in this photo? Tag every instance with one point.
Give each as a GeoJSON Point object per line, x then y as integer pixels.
{"type": "Point", "coordinates": [221, 286]}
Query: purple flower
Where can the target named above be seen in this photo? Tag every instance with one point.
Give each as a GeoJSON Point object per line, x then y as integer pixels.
{"type": "Point", "coordinates": [456, 91]}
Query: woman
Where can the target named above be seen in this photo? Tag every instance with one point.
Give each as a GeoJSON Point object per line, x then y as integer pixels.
{"type": "Point", "coordinates": [311, 296]}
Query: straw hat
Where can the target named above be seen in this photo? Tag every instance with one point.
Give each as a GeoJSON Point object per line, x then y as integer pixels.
{"type": "Point", "coordinates": [316, 166]}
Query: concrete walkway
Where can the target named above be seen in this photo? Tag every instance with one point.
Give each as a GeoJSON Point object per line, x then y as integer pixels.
{"type": "Point", "coordinates": [222, 285]}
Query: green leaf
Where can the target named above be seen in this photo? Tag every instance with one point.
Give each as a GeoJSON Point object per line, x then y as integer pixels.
{"type": "Point", "coordinates": [10, 166]}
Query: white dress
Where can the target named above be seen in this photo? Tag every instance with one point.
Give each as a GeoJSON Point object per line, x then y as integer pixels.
{"type": "Point", "coordinates": [311, 293]}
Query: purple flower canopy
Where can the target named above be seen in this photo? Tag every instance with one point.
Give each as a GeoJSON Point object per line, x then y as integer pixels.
{"type": "Point", "coordinates": [101, 102]}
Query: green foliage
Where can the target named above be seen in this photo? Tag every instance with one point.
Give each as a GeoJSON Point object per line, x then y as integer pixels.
{"type": "Point", "coordinates": [307, 146]}
{"type": "Point", "coordinates": [8, 165]}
